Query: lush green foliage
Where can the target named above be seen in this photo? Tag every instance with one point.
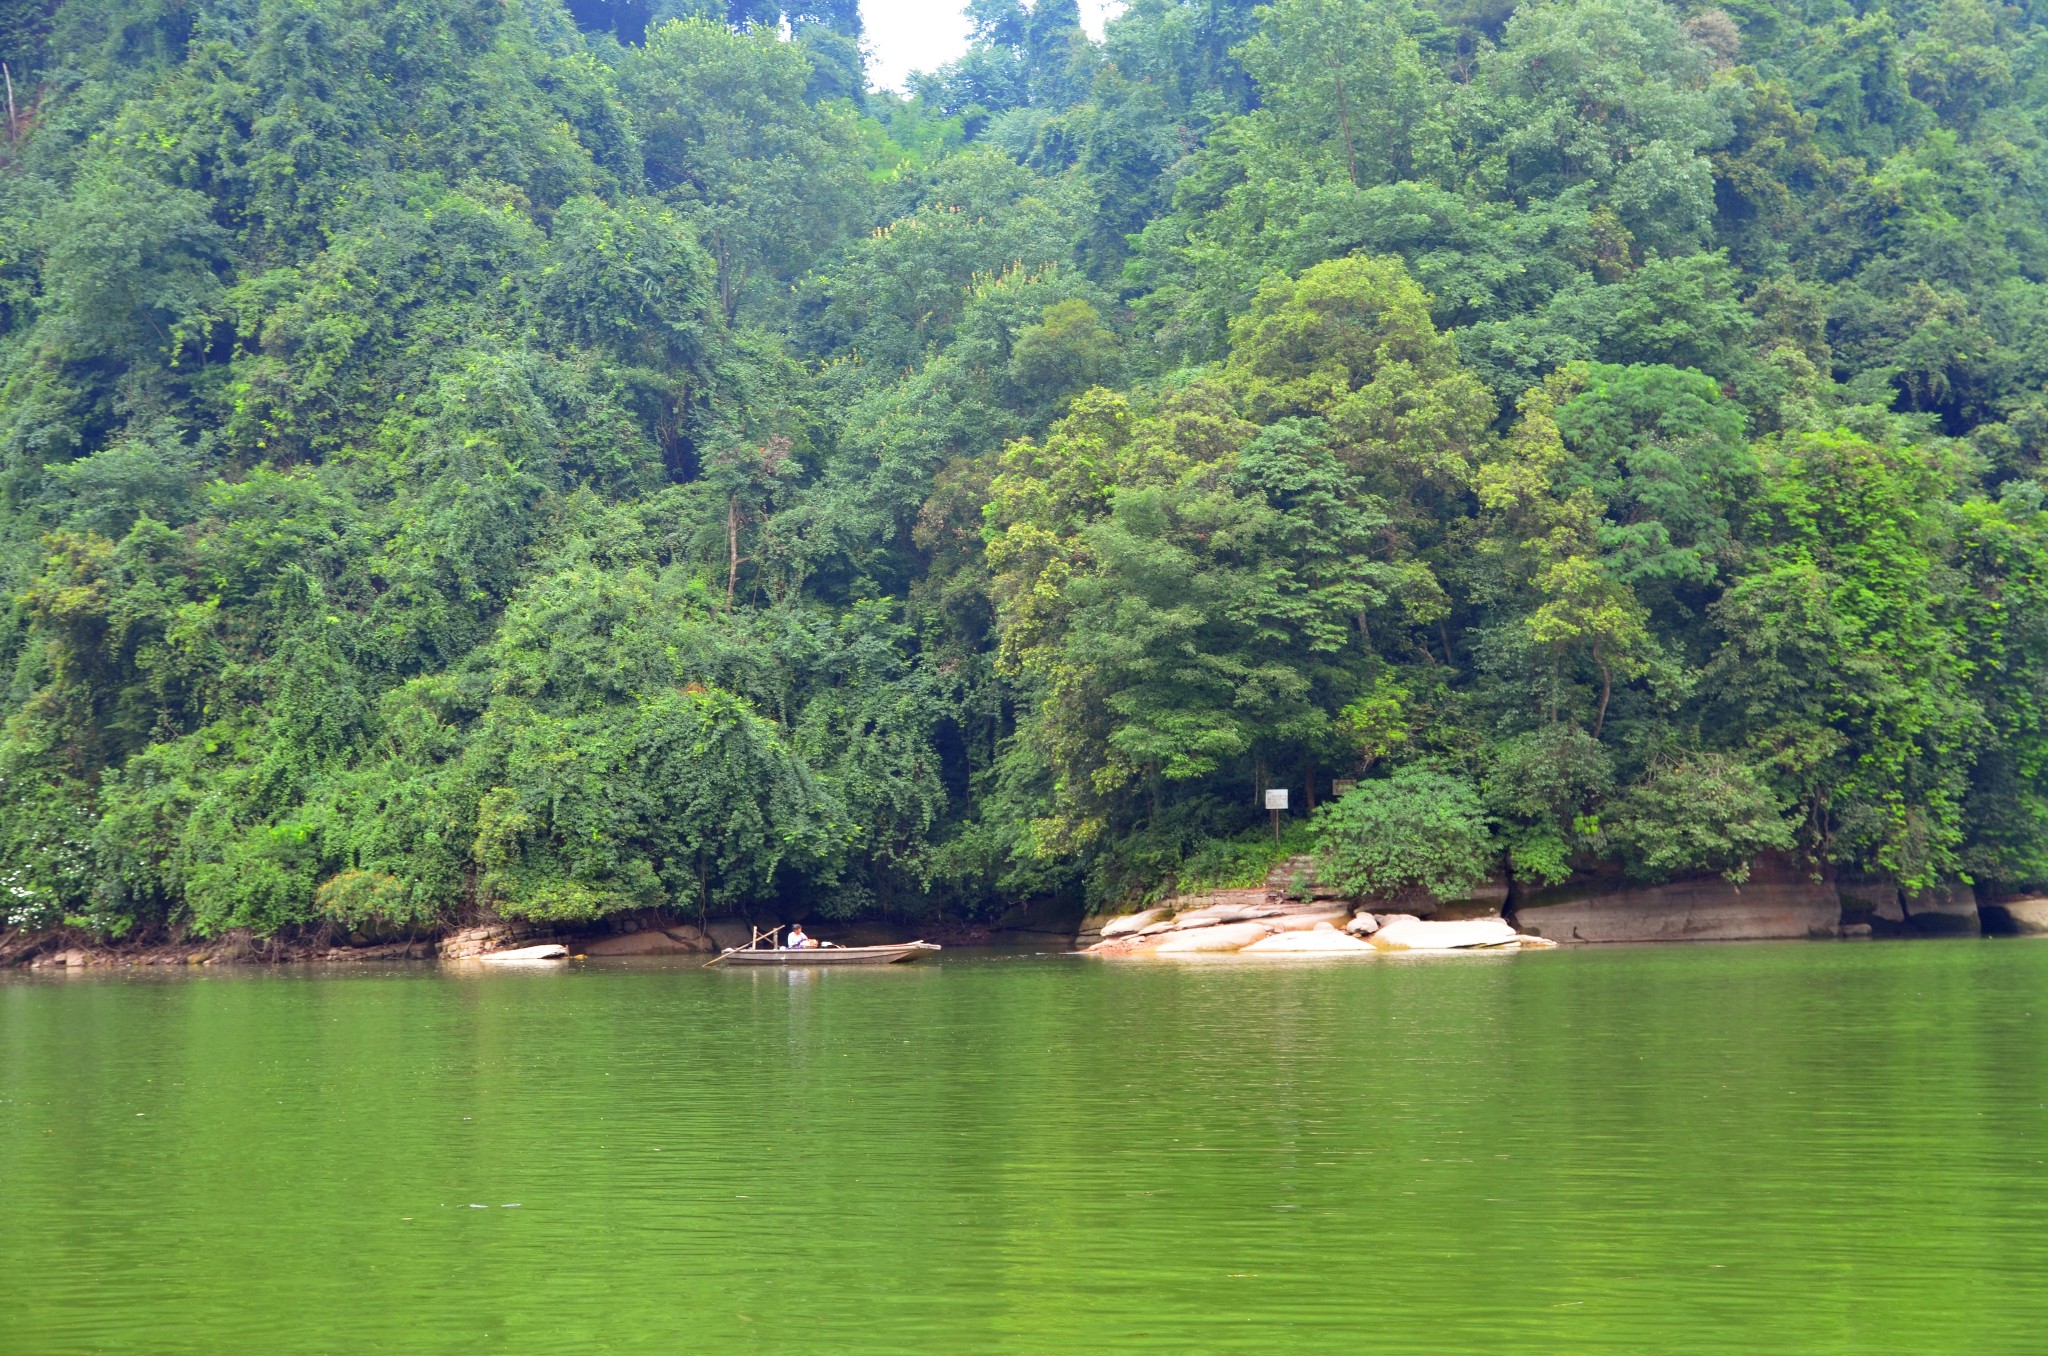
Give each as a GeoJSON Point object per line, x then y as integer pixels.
{"type": "Point", "coordinates": [566, 459]}
{"type": "Point", "coordinates": [1419, 828]}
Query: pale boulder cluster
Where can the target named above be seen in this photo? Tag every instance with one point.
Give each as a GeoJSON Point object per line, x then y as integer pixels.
{"type": "Point", "coordinates": [1261, 923]}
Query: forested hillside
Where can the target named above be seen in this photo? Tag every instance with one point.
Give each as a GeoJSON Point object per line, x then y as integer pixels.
{"type": "Point", "coordinates": [562, 459]}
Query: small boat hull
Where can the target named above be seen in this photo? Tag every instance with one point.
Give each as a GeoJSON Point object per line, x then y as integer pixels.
{"type": "Point", "coordinates": [830, 955]}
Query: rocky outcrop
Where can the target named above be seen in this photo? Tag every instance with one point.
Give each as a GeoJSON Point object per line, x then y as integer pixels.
{"type": "Point", "coordinates": [691, 936]}
{"type": "Point", "coordinates": [417, 949]}
{"type": "Point", "coordinates": [1307, 928]}
{"type": "Point", "coordinates": [1485, 900]}
{"type": "Point", "coordinates": [725, 932]}
{"type": "Point", "coordinates": [1943, 911]}
{"type": "Point", "coordinates": [2026, 917]}
{"type": "Point", "coordinates": [1039, 921]}
{"type": "Point", "coordinates": [474, 941]}
{"type": "Point", "coordinates": [1363, 924]}
{"type": "Point", "coordinates": [519, 955]}
{"type": "Point", "coordinates": [1227, 906]}
{"type": "Point", "coordinates": [681, 940]}
{"type": "Point", "coordinates": [1220, 937]}
{"type": "Point", "coordinates": [1309, 919]}
{"type": "Point", "coordinates": [1132, 922]}
{"type": "Point", "coordinates": [1295, 878]}
{"type": "Point", "coordinates": [1873, 902]}
{"type": "Point", "coordinates": [1700, 910]}
{"type": "Point", "coordinates": [1321, 940]}
{"type": "Point", "coordinates": [1414, 934]}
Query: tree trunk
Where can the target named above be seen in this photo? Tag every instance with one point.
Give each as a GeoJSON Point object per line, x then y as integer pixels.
{"type": "Point", "coordinates": [1344, 121]}
{"type": "Point", "coordinates": [732, 547]}
{"type": "Point", "coordinates": [1606, 691]}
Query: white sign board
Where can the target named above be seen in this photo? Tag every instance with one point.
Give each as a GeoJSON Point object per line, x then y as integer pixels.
{"type": "Point", "coordinates": [1276, 800]}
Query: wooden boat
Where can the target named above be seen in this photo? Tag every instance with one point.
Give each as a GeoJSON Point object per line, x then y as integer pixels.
{"type": "Point", "coordinates": [826, 955]}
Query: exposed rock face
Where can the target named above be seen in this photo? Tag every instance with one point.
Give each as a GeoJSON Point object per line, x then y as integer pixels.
{"type": "Point", "coordinates": [1132, 922]}
{"type": "Point", "coordinates": [1485, 900]}
{"type": "Point", "coordinates": [1209, 918]}
{"type": "Point", "coordinates": [1222, 937]}
{"type": "Point", "coordinates": [1309, 919]}
{"type": "Point", "coordinates": [467, 942]}
{"type": "Point", "coordinates": [1874, 902]}
{"type": "Point", "coordinates": [1944, 910]}
{"type": "Point", "coordinates": [1414, 934]}
{"type": "Point", "coordinates": [1225, 906]}
{"type": "Point", "coordinates": [1362, 925]}
{"type": "Point", "coordinates": [691, 936]}
{"type": "Point", "coordinates": [2016, 917]}
{"type": "Point", "coordinates": [1322, 939]}
{"type": "Point", "coordinates": [1042, 919]}
{"type": "Point", "coordinates": [727, 932]}
{"type": "Point", "coordinates": [652, 942]}
{"type": "Point", "coordinates": [548, 951]}
{"type": "Point", "coordinates": [1710, 909]}
{"type": "Point", "coordinates": [1295, 877]}
{"type": "Point", "coordinates": [417, 949]}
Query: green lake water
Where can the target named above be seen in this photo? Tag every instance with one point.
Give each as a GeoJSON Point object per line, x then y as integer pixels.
{"type": "Point", "coordinates": [1797, 1148]}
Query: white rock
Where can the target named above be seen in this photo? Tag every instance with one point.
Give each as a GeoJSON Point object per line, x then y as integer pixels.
{"type": "Point", "coordinates": [1224, 937]}
{"type": "Point", "coordinates": [1362, 924]}
{"type": "Point", "coordinates": [1132, 922]}
{"type": "Point", "coordinates": [1413, 934]}
{"type": "Point", "coordinates": [1321, 939]}
{"type": "Point", "coordinates": [549, 951]}
{"type": "Point", "coordinates": [1222, 913]}
{"type": "Point", "coordinates": [1307, 921]}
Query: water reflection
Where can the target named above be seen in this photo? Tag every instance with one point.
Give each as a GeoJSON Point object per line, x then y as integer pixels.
{"type": "Point", "coordinates": [1812, 1148]}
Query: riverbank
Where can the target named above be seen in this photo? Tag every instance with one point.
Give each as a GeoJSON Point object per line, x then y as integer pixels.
{"type": "Point", "coordinates": [1288, 913]}
{"type": "Point", "coordinates": [1777, 901]}
{"type": "Point", "coordinates": [653, 934]}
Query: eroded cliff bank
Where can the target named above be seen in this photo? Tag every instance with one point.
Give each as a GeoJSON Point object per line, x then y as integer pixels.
{"type": "Point", "coordinates": [1777, 901]}
{"type": "Point", "coordinates": [1288, 914]}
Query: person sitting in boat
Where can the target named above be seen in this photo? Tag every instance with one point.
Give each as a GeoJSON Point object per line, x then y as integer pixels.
{"type": "Point", "coordinates": [798, 939]}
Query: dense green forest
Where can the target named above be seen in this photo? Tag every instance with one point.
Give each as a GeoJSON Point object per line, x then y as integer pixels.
{"type": "Point", "coordinates": [565, 459]}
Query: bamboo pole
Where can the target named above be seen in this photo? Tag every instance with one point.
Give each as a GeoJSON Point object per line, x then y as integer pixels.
{"type": "Point", "coordinates": [752, 943]}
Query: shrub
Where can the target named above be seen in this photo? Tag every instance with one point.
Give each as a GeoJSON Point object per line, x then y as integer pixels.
{"type": "Point", "coordinates": [1419, 826]}
{"type": "Point", "coordinates": [1707, 812]}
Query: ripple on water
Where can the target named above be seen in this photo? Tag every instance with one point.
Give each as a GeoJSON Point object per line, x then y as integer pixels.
{"type": "Point", "coordinates": [1805, 1147]}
